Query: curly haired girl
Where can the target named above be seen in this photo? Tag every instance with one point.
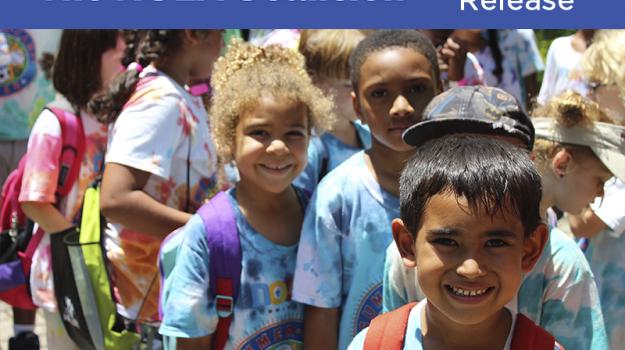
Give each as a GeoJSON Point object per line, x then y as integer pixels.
{"type": "Point", "coordinates": [264, 108]}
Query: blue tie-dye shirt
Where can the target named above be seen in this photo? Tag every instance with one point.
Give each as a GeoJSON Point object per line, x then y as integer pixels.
{"type": "Point", "coordinates": [413, 339]}
{"type": "Point", "coordinates": [606, 254]}
{"type": "Point", "coordinates": [559, 294]}
{"type": "Point", "coordinates": [264, 314]}
{"type": "Point", "coordinates": [328, 149]}
{"type": "Point", "coordinates": [342, 248]}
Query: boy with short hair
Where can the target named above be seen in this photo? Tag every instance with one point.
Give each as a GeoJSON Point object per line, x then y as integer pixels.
{"type": "Point", "coordinates": [560, 293]}
{"type": "Point", "coordinates": [471, 227]}
{"type": "Point", "coordinates": [327, 52]}
{"type": "Point", "coordinates": [347, 226]}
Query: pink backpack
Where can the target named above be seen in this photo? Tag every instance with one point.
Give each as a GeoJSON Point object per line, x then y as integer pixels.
{"type": "Point", "coordinates": [17, 244]}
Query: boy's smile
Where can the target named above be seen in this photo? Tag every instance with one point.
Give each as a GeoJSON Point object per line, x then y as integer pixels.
{"type": "Point", "coordinates": [395, 86]}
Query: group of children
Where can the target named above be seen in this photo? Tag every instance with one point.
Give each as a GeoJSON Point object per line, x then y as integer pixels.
{"type": "Point", "coordinates": [356, 186]}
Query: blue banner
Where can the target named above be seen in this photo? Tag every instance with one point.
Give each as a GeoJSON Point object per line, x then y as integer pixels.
{"type": "Point", "coordinates": [312, 13]}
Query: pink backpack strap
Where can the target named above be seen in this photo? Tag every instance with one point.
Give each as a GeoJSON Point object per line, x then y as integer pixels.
{"type": "Point", "coordinates": [73, 149]}
{"type": "Point", "coordinates": [528, 336]}
{"type": "Point", "coordinates": [387, 331]}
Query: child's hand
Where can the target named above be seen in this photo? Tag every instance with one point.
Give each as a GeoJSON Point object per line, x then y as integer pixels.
{"type": "Point", "coordinates": [452, 57]}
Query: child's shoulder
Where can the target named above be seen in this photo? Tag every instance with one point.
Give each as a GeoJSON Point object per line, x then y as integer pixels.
{"type": "Point", "coordinates": [346, 171]}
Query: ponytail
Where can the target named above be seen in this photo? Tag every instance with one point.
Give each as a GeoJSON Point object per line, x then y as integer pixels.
{"type": "Point", "coordinates": [495, 50]}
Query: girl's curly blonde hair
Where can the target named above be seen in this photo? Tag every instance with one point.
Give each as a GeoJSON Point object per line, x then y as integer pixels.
{"type": "Point", "coordinates": [569, 109]}
{"type": "Point", "coordinates": [246, 74]}
{"type": "Point", "coordinates": [603, 61]}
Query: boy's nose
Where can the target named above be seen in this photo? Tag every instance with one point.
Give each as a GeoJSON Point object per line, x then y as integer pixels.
{"type": "Point", "coordinates": [470, 269]}
{"type": "Point", "coordinates": [401, 107]}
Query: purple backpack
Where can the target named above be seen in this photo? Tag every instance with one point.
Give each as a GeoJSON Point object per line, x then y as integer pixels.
{"type": "Point", "coordinates": [225, 260]}
{"type": "Point", "coordinates": [17, 244]}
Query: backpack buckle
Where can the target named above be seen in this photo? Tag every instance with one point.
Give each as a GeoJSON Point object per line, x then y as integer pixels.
{"type": "Point", "coordinates": [224, 305]}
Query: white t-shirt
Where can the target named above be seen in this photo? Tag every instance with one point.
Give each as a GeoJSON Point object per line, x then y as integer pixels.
{"type": "Point", "coordinates": [161, 128]}
{"type": "Point", "coordinates": [562, 59]}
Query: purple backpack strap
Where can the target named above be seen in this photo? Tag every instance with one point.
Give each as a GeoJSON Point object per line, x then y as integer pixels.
{"type": "Point", "coordinates": [225, 260]}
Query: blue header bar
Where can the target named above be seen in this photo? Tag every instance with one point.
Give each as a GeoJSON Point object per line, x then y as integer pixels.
{"type": "Point", "coordinates": [539, 14]}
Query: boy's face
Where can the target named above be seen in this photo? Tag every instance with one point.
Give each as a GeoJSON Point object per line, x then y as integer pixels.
{"type": "Point", "coordinates": [469, 264]}
{"type": "Point", "coordinates": [395, 86]}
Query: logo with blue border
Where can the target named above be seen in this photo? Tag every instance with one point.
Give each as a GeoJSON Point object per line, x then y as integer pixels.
{"type": "Point", "coordinates": [286, 335]}
{"type": "Point", "coordinates": [369, 308]}
{"type": "Point", "coordinates": [18, 64]}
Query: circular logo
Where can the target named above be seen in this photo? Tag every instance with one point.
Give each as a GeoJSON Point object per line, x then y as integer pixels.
{"type": "Point", "coordinates": [18, 64]}
{"type": "Point", "coordinates": [369, 308]}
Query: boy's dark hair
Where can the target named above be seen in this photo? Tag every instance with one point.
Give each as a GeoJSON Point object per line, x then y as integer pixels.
{"type": "Point", "coordinates": [76, 73]}
{"type": "Point", "coordinates": [492, 175]}
{"type": "Point", "coordinates": [144, 47]}
{"type": "Point", "coordinates": [384, 39]}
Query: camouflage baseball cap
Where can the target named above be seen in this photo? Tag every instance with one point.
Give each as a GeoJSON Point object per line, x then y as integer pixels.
{"type": "Point", "coordinates": [475, 110]}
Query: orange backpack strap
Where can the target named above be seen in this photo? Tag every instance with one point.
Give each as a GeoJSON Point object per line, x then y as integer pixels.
{"type": "Point", "coordinates": [387, 331]}
{"type": "Point", "coordinates": [528, 336]}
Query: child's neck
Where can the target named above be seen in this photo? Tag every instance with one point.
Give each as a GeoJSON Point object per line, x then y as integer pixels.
{"type": "Point", "coordinates": [386, 165]}
{"type": "Point", "coordinates": [177, 71]}
{"type": "Point", "coordinates": [277, 216]}
{"type": "Point", "coordinates": [439, 332]}
{"type": "Point", "coordinates": [548, 199]}
{"type": "Point", "coordinates": [345, 131]}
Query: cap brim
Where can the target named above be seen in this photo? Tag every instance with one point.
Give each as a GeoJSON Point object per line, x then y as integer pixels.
{"type": "Point", "coordinates": [427, 130]}
{"type": "Point", "coordinates": [613, 160]}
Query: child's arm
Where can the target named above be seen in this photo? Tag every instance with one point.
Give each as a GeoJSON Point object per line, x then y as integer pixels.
{"type": "Point", "coordinates": [124, 201]}
{"type": "Point", "coordinates": [47, 216]}
{"type": "Point", "coordinates": [204, 343]}
{"type": "Point", "coordinates": [321, 328]}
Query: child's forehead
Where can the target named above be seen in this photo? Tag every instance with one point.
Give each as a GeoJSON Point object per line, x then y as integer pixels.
{"type": "Point", "coordinates": [448, 209]}
{"type": "Point", "coordinates": [380, 61]}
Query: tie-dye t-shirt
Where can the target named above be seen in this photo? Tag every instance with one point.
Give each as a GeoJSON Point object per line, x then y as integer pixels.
{"type": "Point", "coordinates": [264, 314]}
{"type": "Point", "coordinates": [413, 339]}
{"type": "Point", "coordinates": [606, 254]}
{"type": "Point", "coordinates": [39, 185]}
{"type": "Point", "coordinates": [329, 150]}
{"type": "Point", "coordinates": [160, 127]}
{"type": "Point", "coordinates": [346, 231]}
{"type": "Point", "coordinates": [520, 59]}
{"type": "Point", "coordinates": [559, 294]}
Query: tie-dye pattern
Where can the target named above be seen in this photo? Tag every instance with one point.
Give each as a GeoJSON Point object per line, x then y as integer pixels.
{"type": "Point", "coordinates": [39, 185]}
{"type": "Point", "coordinates": [344, 238]}
{"type": "Point", "coordinates": [264, 314]}
{"type": "Point", "coordinates": [559, 294]}
{"type": "Point", "coordinates": [328, 147]}
{"type": "Point", "coordinates": [413, 339]}
{"type": "Point", "coordinates": [606, 256]}
{"type": "Point", "coordinates": [160, 124]}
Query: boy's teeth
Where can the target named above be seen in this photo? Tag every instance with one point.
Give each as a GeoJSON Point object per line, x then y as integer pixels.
{"type": "Point", "coordinates": [468, 293]}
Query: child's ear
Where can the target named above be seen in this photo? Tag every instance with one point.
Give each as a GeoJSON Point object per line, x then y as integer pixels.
{"type": "Point", "coordinates": [560, 162]}
{"type": "Point", "coordinates": [356, 105]}
{"type": "Point", "coordinates": [405, 242]}
{"type": "Point", "coordinates": [533, 246]}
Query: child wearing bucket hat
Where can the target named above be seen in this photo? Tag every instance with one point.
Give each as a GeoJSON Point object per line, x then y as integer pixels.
{"type": "Point", "coordinates": [594, 146]}
{"type": "Point", "coordinates": [559, 293]}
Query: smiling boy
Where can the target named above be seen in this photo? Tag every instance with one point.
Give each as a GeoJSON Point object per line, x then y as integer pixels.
{"type": "Point", "coordinates": [471, 227]}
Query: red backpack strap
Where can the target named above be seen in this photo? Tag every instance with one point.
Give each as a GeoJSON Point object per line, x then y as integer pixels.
{"type": "Point", "coordinates": [225, 261]}
{"type": "Point", "coordinates": [528, 336]}
{"type": "Point", "coordinates": [387, 331]}
{"type": "Point", "coordinates": [72, 151]}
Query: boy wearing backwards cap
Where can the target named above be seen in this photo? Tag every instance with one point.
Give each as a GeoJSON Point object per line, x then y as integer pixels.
{"type": "Point", "coordinates": [559, 294]}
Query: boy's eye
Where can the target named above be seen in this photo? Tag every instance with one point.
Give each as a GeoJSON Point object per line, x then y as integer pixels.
{"type": "Point", "coordinates": [377, 93]}
{"type": "Point", "coordinates": [296, 133]}
{"type": "Point", "coordinates": [495, 243]}
{"type": "Point", "coordinates": [445, 242]}
{"type": "Point", "coordinates": [419, 88]}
